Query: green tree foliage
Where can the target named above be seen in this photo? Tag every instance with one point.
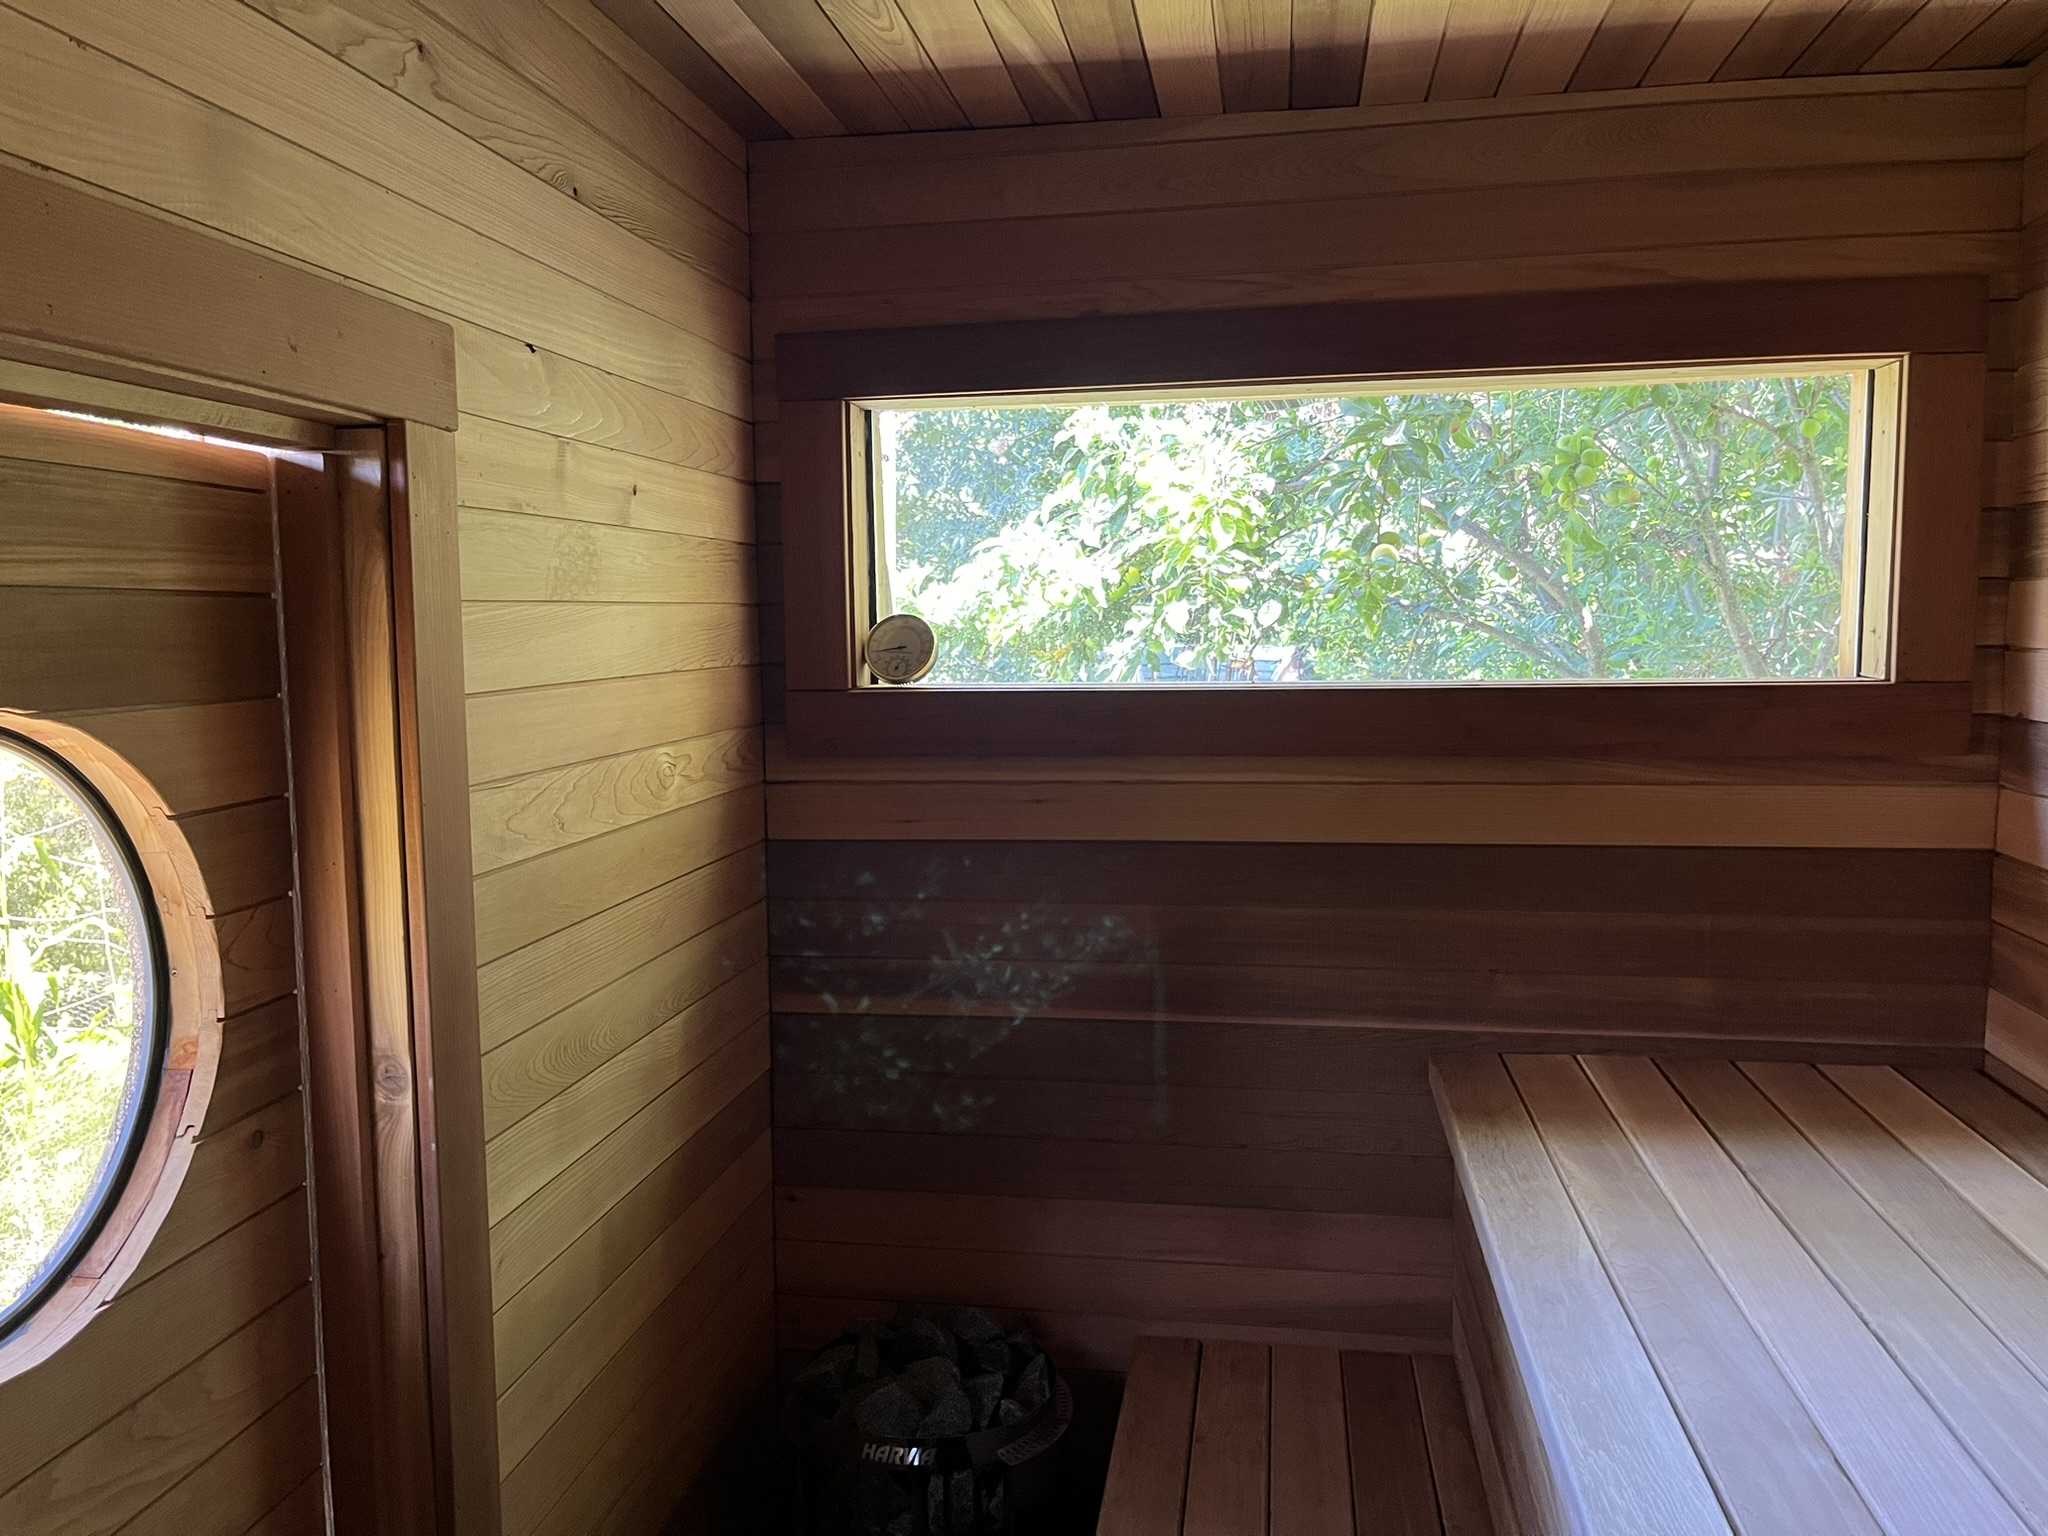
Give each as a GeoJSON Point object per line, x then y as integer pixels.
{"type": "Point", "coordinates": [1688, 529]}
{"type": "Point", "coordinates": [68, 936]}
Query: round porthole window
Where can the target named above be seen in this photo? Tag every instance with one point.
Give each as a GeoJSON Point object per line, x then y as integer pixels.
{"type": "Point", "coordinates": [109, 1009]}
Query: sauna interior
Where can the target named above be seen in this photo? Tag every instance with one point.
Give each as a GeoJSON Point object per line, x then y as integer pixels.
{"type": "Point", "coordinates": [531, 981]}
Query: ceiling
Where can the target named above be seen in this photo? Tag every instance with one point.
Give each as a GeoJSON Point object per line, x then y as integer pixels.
{"type": "Point", "coordinates": [807, 68]}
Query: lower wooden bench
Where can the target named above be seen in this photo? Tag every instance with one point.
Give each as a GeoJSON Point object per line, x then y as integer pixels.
{"type": "Point", "coordinates": [1225, 1438]}
{"type": "Point", "coordinates": [1703, 1297]}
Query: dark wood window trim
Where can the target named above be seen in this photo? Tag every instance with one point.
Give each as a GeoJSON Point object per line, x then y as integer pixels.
{"type": "Point", "coordinates": [1937, 323]}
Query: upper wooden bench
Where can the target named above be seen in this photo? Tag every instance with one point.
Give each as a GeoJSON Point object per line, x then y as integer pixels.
{"type": "Point", "coordinates": [1227, 1438]}
{"type": "Point", "coordinates": [1706, 1297]}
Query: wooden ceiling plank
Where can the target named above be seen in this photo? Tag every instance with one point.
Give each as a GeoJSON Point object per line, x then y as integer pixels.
{"type": "Point", "coordinates": [1938, 26]}
{"type": "Point", "coordinates": [1400, 51]}
{"type": "Point", "coordinates": [642, 46]}
{"type": "Point", "coordinates": [1329, 51]}
{"type": "Point", "coordinates": [1479, 38]}
{"type": "Point", "coordinates": [2011, 34]}
{"type": "Point", "coordinates": [1701, 42]}
{"type": "Point", "coordinates": [959, 44]}
{"type": "Point", "coordinates": [1110, 56]}
{"type": "Point", "coordinates": [812, 46]}
{"type": "Point", "coordinates": [1784, 30]}
{"type": "Point", "coordinates": [1626, 44]}
{"type": "Point", "coordinates": [1181, 48]}
{"type": "Point", "coordinates": [1027, 33]}
{"type": "Point", "coordinates": [738, 47]}
{"type": "Point", "coordinates": [1555, 37]}
{"type": "Point", "coordinates": [1254, 50]}
{"type": "Point", "coordinates": [1859, 29]}
{"type": "Point", "coordinates": [881, 37]}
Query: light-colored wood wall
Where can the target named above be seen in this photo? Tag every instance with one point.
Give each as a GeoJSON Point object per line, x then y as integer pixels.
{"type": "Point", "coordinates": [138, 606]}
{"type": "Point", "coordinates": [521, 169]}
{"type": "Point", "coordinates": [1122, 1059]}
{"type": "Point", "coordinates": [2016, 1020]}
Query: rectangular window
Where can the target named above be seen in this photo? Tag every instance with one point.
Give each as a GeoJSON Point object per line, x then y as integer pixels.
{"type": "Point", "coordinates": [1728, 522]}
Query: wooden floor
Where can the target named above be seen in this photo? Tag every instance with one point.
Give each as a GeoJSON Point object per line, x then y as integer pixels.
{"type": "Point", "coordinates": [1755, 1297]}
{"type": "Point", "coordinates": [1222, 1438]}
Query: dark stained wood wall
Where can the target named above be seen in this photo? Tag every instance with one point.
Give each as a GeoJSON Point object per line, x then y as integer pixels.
{"type": "Point", "coordinates": [1133, 1045]}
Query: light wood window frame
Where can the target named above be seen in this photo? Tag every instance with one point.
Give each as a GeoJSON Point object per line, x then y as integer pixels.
{"type": "Point", "coordinates": [127, 315]}
{"type": "Point", "coordinates": [1936, 326]}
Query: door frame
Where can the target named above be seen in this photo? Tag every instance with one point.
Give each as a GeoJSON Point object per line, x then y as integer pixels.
{"type": "Point", "coordinates": [136, 317]}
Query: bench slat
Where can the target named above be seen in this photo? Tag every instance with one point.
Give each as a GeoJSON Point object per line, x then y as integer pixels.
{"type": "Point", "coordinates": [1610, 1431]}
{"type": "Point", "coordinates": [1770, 1464]}
{"type": "Point", "coordinates": [1227, 1472]}
{"type": "Point", "coordinates": [1148, 1466]}
{"type": "Point", "coordinates": [1909, 1468]}
{"type": "Point", "coordinates": [1311, 1493]}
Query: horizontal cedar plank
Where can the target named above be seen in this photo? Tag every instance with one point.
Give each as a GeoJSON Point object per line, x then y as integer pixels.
{"type": "Point", "coordinates": [1134, 1172]}
{"type": "Point", "coordinates": [511, 557]}
{"type": "Point", "coordinates": [952, 934]}
{"type": "Point", "coordinates": [691, 1084]}
{"type": "Point", "coordinates": [880, 1047]}
{"type": "Point", "coordinates": [259, 1064]}
{"type": "Point", "coordinates": [1190, 1293]}
{"type": "Point", "coordinates": [1181, 1234]}
{"type": "Point", "coordinates": [1813, 1010]}
{"type": "Point", "coordinates": [126, 1463]}
{"type": "Point", "coordinates": [1333, 279]}
{"type": "Point", "coordinates": [233, 58]}
{"type": "Point", "coordinates": [670, 1347]}
{"type": "Point", "coordinates": [1923, 717]}
{"type": "Point", "coordinates": [2019, 898]}
{"type": "Point", "coordinates": [1940, 497]}
{"type": "Point", "coordinates": [302, 1512]}
{"type": "Point", "coordinates": [533, 1067]}
{"type": "Point", "coordinates": [588, 65]}
{"type": "Point", "coordinates": [198, 756]}
{"type": "Point", "coordinates": [2022, 827]}
{"type": "Point", "coordinates": [1263, 1119]}
{"type": "Point", "coordinates": [2025, 685]}
{"type": "Point", "coordinates": [527, 645]}
{"type": "Point", "coordinates": [1628, 325]}
{"type": "Point", "coordinates": [2019, 968]}
{"type": "Point", "coordinates": [1501, 223]}
{"type": "Point", "coordinates": [502, 134]}
{"type": "Point", "coordinates": [1527, 149]}
{"type": "Point", "coordinates": [248, 1478]}
{"type": "Point", "coordinates": [512, 382]}
{"type": "Point", "coordinates": [28, 432]}
{"type": "Point", "coordinates": [127, 285]}
{"type": "Point", "coordinates": [71, 650]}
{"type": "Point", "coordinates": [244, 852]}
{"type": "Point", "coordinates": [521, 903]}
{"type": "Point", "coordinates": [515, 469]}
{"type": "Point", "coordinates": [527, 1321]}
{"type": "Point", "coordinates": [152, 1332]}
{"type": "Point", "coordinates": [528, 729]}
{"type": "Point", "coordinates": [527, 1241]}
{"type": "Point", "coordinates": [258, 954]}
{"type": "Point", "coordinates": [534, 983]}
{"type": "Point", "coordinates": [71, 527]}
{"type": "Point", "coordinates": [2016, 1048]}
{"type": "Point", "coordinates": [1732, 882]}
{"type": "Point", "coordinates": [335, 219]}
{"type": "Point", "coordinates": [236, 1172]}
{"type": "Point", "coordinates": [1089, 1341]}
{"type": "Point", "coordinates": [1785, 816]}
{"type": "Point", "coordinates": [853, 154]}
{"type": "Point", "coordinates": [538, 813]}
{"type": "Point", "coordinates": [529, 1405]}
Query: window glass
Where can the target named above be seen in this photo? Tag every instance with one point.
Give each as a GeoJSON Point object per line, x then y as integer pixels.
{"type": "Point", "coordinates": [1708, 524]}
{"type": "Point", "coordinates": [77, 1029]}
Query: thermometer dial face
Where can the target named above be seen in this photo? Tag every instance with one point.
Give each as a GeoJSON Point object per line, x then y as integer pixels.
{"type": "Point", "coordinates": [901, 648]}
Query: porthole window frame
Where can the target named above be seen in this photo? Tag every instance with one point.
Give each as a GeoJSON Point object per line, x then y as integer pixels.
{"type": "Point", "coordinates": [189, 1006]}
